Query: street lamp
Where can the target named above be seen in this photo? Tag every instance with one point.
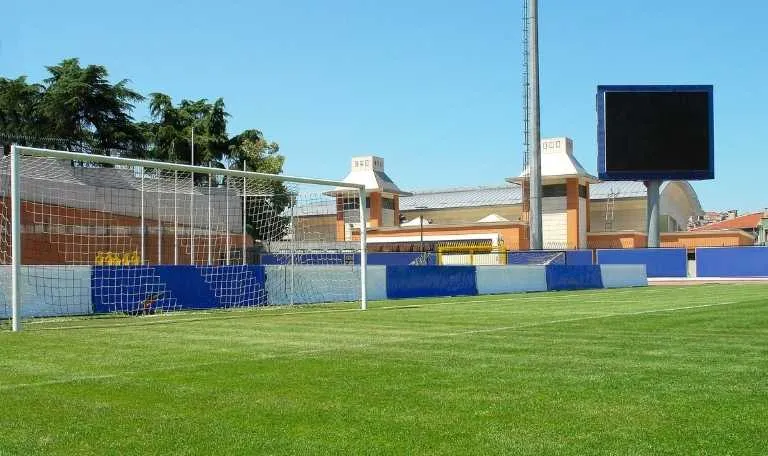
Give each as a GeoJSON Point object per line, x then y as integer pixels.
{"type": "Point", "coordinates": [421, 226]}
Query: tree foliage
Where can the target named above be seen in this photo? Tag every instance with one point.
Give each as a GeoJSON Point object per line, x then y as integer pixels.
{"type": "Point", "coordinates": [81, 106]}
{"type": "Point", "coordinates": [77, 108]}
{"type": "Point", "coordinates": [249, 150]}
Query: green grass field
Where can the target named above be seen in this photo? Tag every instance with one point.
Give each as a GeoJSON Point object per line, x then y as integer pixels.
{"type": "Point", "coordinates": [660, 370]}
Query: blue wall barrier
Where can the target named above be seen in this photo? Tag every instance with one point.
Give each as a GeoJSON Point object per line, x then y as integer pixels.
{"type": "Point", "coordinates": [77, 290]}
{"type": "Point", "coordinates": [578, 257]}
{"type": "Point", "coordinates": [426, 281]}
{"type": "Point", "coordinates": [658, 262]}
{"type": "Point", "coordinates": [732, 262]}
{"type": "Point", "coordinates": [125, 288]}
{"type": "Point", "coordinates": [580, 277]}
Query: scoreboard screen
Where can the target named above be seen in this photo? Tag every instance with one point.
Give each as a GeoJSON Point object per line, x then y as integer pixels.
{"type": "Point", "coordinates": [655, 132]}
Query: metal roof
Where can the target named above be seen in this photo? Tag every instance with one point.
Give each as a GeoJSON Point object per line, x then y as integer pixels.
{"type": "Point", "coordinates": [506, 195]}
{"type": "Point", "coordinates": [462, 197]}
{"type": "Point", "coordinates": [619, 189]}
{"type": "Point", "coordinates": [498, 195]}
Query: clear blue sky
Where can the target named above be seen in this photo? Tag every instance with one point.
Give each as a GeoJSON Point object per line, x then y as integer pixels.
{"type": "Point", "coordinates": [433, 86]}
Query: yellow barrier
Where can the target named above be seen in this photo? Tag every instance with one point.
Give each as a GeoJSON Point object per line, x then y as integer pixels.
{"type": "Point", "coordinates": [471, 253]}
{"type": "Point", "coordinates": [117, 259]}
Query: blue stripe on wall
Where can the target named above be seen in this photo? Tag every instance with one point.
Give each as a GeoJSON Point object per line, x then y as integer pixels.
{"type": "Point", "coordinates": [732, 262]}
{"type": "Point", "coordinates": [124, 288]}
{"type": "Point", "coordinates": [579, 257]}
{"type": "Point", "coordinates": [658, 262]}
{"type": "Point", "coordinates": [429, 281]}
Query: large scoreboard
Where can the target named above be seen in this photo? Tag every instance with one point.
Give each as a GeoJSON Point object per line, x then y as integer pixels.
{"type": "Point", "coordinates": [650, 132]}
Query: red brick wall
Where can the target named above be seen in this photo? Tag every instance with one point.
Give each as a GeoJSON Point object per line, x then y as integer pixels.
{"type": "Point", "coordinates": [59, 235]}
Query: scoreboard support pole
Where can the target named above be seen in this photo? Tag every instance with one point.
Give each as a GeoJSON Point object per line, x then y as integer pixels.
{"type": "Point", "coordinates": [652, 213]}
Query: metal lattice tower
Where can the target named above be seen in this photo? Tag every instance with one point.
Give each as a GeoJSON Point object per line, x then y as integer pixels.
{"type": "Point", "coordinates": [526, 182]}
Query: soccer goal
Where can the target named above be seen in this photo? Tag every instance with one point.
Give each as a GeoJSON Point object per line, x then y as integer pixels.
{"type": "Point", "coordinates": [83, 234]}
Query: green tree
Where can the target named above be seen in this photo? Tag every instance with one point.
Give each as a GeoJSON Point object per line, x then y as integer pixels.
{"type": "Point", "coordinates": [82, 107]}
{"type": "Point", "coordinates": [252, 149]}
{"type": "Point", "coordinates": [170, 133]}
{"type": "Point", "coordinates": [20, 120]}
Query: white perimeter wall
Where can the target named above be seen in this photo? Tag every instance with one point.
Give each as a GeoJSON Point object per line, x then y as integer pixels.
{"type": "Point", "coordinates": [48, 291]}
{"type": "Point", "coordinates": [623, 275]}
{"type": "Point", "coordinates": [330, 283]}
{"type": "Point", "coordinates": [511, 279]}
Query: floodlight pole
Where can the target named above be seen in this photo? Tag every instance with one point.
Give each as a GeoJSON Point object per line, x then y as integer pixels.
{"type": "Point", "coordinates": [652, 212]}
{"type": "Point", "coordinates": [534, 131]}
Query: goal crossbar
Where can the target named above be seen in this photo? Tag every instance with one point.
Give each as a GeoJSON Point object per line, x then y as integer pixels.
{"type": "Point", "coordinates": [121, 161]}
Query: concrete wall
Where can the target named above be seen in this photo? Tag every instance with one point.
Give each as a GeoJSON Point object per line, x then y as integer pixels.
{"type": "Point", "coordinates": [78, 290]}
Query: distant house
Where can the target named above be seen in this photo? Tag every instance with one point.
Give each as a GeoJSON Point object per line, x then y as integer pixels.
{"type": "Point", "coordinates": [755, 224]}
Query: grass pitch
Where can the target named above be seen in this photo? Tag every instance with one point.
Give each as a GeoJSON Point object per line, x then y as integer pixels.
{"type": "Point", "coordinates": [662, 370]}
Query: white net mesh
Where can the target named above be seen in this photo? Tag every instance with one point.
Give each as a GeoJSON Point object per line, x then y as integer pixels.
{"type": "Point", "coordinates": [98, 238]}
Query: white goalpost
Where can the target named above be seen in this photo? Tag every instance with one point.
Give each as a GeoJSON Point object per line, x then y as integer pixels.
{"type": "Point", "coordinates": [83, 233]}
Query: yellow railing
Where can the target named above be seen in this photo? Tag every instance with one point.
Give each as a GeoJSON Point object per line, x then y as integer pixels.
{"type": "Point", "coordinates": [471, 254]}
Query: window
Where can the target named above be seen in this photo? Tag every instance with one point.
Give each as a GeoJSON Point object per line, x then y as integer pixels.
{"type": "Point", "coordinates": [354, 203]}
{"type": "Point", "coordinates": [551, 191]}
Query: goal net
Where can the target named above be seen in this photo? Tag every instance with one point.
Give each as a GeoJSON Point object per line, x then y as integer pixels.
{"type": "Point", "coordinates": [100, 234]}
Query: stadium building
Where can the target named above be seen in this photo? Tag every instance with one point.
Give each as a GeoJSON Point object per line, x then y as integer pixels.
{"type": "Point", "coordinates": [578, 211]}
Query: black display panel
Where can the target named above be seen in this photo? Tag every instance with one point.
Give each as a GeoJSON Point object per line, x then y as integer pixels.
{"type": "Point", "coordinates": [655, 132]}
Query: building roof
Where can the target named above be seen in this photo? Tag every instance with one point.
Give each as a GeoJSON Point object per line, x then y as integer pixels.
{"type": "Point", "coordinates": [745, 222]}
{"type": "Point", "coordinates": [462, 197]}
{"type": "Point", "coordinates": [369, 171]}
{"type": "Point", "coordinates": [557, 161]}
{"type": "Point", "coordinates": [500, 195]}
{"type": "Point", "coordinates": [620, 189]}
